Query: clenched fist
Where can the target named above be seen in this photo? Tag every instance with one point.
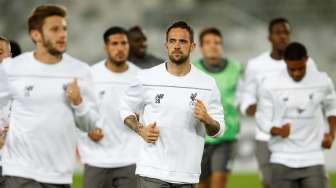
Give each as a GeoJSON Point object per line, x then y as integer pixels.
{"type": "Point", "coordinates": [73, 92]}
{"type": "Point", "coordinates": [150, 133]}
{"type": "Point", "coordinates": [96, 134]}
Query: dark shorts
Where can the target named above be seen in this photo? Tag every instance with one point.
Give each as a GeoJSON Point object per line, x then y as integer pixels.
{"type": "Point", "coordinates": [217, 158]}
{"type": "Point", "coordinates": [263, 155]}
{"type": "Point", "coordinates": [145, 182]}
{"type": "Point", "coordinates": [96, 177]}
{"type": "Point", "coordinates": [2, 179]}
{"type": "Point", "coordinates": [19, 182]}
{"type": "Point", "coordinates": [308, 177]}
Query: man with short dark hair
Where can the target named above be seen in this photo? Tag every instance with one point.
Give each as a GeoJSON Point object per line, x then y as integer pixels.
{"type": "Point", "coordinates": [110, 155]}
{"type": "Point", "coordinates": [264, 65]}
{"type": "Point", "coordinates": [51, 97]}
{"type": "Point", "coordinates": [292, 111]}
{"type": "Point", "coordinates": [219, 152]}
{"type": "Point", "coordinates": [138, 49]}
{"type": "Point", "coordinates": [180, 106]}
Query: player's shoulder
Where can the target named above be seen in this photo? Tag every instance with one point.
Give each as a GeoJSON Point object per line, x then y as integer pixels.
{"type": "Point", "coordinates": [98, 65]}
{"type": "Point", "coordinates": [76, 64]}
{"type": "Point", "coordinates": [132, 67]}
{"type": "Point", "coordinates": [258, 61]}
{"type": "Point", "coordinates": [322, 77]}
{"type": "Point", "coordinates": [202, 78]}
{"type": "Point", "coordinates": [153, 71]}
{"type": "Point", "coordinates": [18, 63]}
{"type": "Point", "coordinates": [234, 63]}
{"type": "Point", "coordinates": [269, 81]}
{"type": "Point", "coordinates": [74, 61]}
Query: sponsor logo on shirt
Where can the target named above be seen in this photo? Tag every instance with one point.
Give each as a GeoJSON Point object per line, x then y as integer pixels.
{"type": "Point", "coordinates": [158, 98]}
{"type": "Point", "coordinates": [27, 90]}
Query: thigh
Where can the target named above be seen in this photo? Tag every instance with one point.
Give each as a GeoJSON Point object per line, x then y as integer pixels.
{"type": "Point", "coordinates": [281, 176]}
{"type": "Point", "coordinates": [19, 182]}
{"type": "Point", "coordinates": [184, 186]}
{"type": "Point", "coordinates": [2, 182]}
{"type": "Point", "coordinates": [206, 163]}
{"type": "Point", "coordinates": [315, 177]}
{"type": "Point", "coordinates": [124, 177]}
{"type": "Point", "coordinates": [144, 182]}
{"type": "Point", "coordinates": [47, 185]}
{"type": "Point", "coordinates": [223, 156]}
{"type": "Point", "coordinates": [95, 177]}
{"type": "Point", "coordinates": [263, 155]}
{"type": "Point", "coordinates": [2, 179]}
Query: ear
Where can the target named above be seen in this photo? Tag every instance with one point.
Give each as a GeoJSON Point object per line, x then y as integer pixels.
{"type": "Point", "coordinates": [36, 36]}
{"type": "Point", "coordinates": [193, 46]}
{"type": "Point", "coordinates": [166, 45]}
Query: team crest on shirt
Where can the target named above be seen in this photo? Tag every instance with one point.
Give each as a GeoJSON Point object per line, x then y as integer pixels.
{"type": "Point", "coordinates": [27, 90]}
{"type": "Point", "coordinates": [158, 98]}
{"type": "Point", "coordinates": [193, 99]}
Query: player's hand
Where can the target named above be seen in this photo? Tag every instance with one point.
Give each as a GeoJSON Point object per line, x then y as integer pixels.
{"type": "Point", "coordinates": [201, 113]}
{"type": "Point", "coordinates": [284, 131]}
{"type": "Point", "coordinates": [150, 133]}
{"type": "Point", "coordinates": [327, 141]}
{"type": "Point", "coordinates": [73, 92]}
{"type": "Point", "coordinates": [251, 110]}
{"type": "Point", "coordinates": [96, 134]}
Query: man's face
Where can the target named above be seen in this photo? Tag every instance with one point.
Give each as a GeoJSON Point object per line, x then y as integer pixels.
{"type": "Point", "coordinates": [53, 36]}
{"type": "Point", "coordinates": [296, 69]}
{"type": "Point", "coordinates": [280, 36]}
{"type": "Point", "coordinates": [179, 45]}
{"type": "Point", "coordinates": [4, 50]}
{"type": "Point", "coordinates": [117, 48]}
{"type": "Point", "coordinates": [212, 48]}
{"type": "Point", "coordinates": [138, 43]}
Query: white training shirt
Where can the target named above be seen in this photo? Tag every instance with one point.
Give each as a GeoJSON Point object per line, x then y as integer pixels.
{"type": "Point", "coordinates": [119, 146]}
{"type": "Point", "coordinates": [302, 105]}
{"type": "Point", "coordinates": [256, 70]}
{"type": "Point", "coordinates": [41, 142]}
{"type": "Point", "coordinates": [169, 101]}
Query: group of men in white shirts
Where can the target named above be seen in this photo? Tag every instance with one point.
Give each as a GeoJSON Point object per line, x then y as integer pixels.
{"type": "Point", "coordinates": [146, 128]}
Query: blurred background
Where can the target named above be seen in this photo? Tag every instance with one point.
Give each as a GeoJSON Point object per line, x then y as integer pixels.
{"type": "Point", "coordinates": [243, 24]}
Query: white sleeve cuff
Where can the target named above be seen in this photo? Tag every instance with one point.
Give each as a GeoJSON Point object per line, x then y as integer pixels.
{"type": "Point", "coordinates": [80, 109]}
{"type": "Point", "coordinates": [245, 104]}
{"type": "Point", "coordinates": [125, 114]}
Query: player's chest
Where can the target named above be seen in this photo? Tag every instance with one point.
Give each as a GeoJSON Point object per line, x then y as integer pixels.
{"type": "Point", "coordinates": [181, 97]}
{"type": "Point", "coordinates": [39, 89]}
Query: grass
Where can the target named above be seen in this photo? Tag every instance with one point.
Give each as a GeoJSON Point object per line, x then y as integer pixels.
{"type": "Point", "coordinates": [236, 181]}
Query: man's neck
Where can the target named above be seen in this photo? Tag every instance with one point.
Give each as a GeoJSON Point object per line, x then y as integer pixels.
{"type": "Point", "coordinates": [214, 66]}
{"type": "Point", "coordinates": [277, 54]}
{"type": "Point", "coordinates": [46, 58]}
{"type": "Point", "coordinates": [132, 56]}
{"type": "Point", "coordinates": [178, 70]}
{"type": "Point", "coordinates": [116, 68]}
{"type": "Point", "coordinates": [212, 61]}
